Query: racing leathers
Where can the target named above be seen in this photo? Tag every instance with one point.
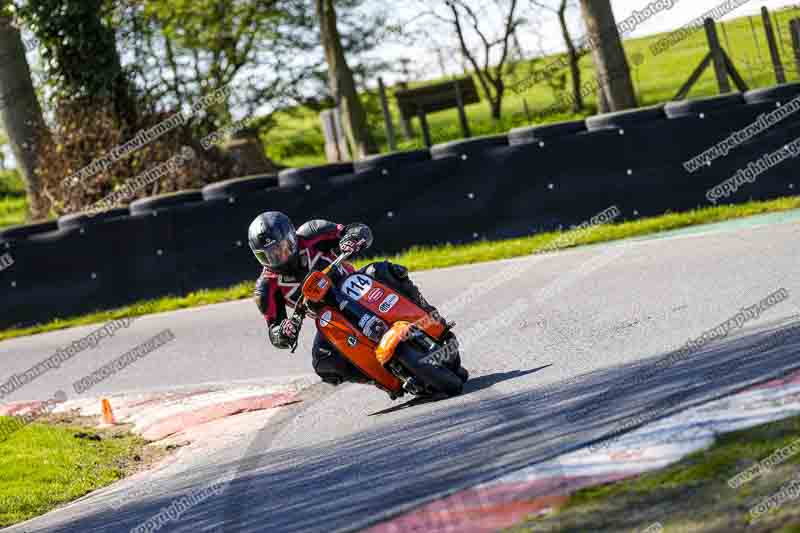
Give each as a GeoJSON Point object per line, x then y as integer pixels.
{"type": "Point", "coordinates": [319, 243]}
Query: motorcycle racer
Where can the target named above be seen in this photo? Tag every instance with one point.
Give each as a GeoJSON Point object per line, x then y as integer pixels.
{"type": "Point", "coordinates": [288, 255]}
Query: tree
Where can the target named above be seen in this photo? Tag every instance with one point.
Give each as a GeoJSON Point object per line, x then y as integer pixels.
{"type": "Point", "coordinates": [3, 143]}
{"type": "Point", "coordinates": [247, 50]}
{"type": "Point", "coordinates": [465, 15]}
{"type": "Point", "coordinates": [613, 72]}
{"type": "Point", "coordinates": [573, 55]}
{"type": "Point", "coordinates": [79, 48]}
{"type": "Point", "coordinates": [20, 112]}
{"type": "Point", "coordinates": [342, 84]}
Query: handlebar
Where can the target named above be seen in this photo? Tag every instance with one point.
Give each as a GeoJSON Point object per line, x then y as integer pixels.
{"type": "Point", "coordinates": [300, 308]}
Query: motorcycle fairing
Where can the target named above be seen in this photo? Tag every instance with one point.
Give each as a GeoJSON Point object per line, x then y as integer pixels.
{"type": "Point", "coordinates": [388, 304]}
{"type": "Point", "coordinates": [355, 346]}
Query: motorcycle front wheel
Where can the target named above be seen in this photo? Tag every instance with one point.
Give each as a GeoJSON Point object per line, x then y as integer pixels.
{"type": "Point", "coordinates": [434, 377]}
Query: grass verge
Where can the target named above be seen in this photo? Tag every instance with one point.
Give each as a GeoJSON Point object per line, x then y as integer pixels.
{"type": "Point", "coordinates": [49, 463]}
{"type": "Point", "coordinates": [426, 258]}
{"type": "Point", "coordinates": [13, 204]}
{"type": "Point", "coordinates": [13, 211]}
{"type": "Point", "coordinates": [692, 495]}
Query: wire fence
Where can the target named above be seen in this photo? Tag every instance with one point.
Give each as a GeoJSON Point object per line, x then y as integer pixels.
{"type": "Point", "coordinates": [750, 51]}
{"type": "Point", "coordinates": [657, 79]}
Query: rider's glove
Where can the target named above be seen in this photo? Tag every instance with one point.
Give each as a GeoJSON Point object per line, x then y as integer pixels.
{"type": "Point", "coordinates": [289, 329]}
{"type": "Point", "coordinates": [351, 245]}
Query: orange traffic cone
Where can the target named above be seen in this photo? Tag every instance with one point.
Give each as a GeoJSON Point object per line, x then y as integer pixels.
{"type": "Point", "coordinates": [108, 414]}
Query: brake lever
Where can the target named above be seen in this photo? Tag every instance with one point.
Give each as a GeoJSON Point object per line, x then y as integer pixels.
{"type": "Point", "coordinates": [297, 319]}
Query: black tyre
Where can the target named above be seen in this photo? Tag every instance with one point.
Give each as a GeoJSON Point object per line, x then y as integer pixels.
{"type": "Point", "coordinates": [237, 187]}
{"type": "Point", "coordinates": [77, 220]}
{"type": "Point", "coordinates": [465, 148]}
{"type": "Point", "coordinates": [530, 134]}
{"type": "Point", "coordinates": [777, 93]}
{"type": "Point", "coordinates": [18, 233]}
{"type": "Point", "coordinates": [163, 201]}
{"type": "Point", "coordinates": [313, 175]}
{"type": "Point", "coordinates": [437, 378]}
{"type": "Point", "coordinates": [627, 118]}
{"type": "Point", "coordinates": [462, 373]}
{"type": "Point", "coordinates": [706, 106]}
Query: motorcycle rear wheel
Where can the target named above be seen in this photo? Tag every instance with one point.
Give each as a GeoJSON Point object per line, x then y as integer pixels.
{"type": "Point", "coordinates": [438, 378]}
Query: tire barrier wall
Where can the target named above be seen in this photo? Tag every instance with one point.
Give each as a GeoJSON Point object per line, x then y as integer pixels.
{"type": "Point", "coordinates": [534, 179]}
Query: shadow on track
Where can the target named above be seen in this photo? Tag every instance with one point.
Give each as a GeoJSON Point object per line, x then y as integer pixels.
{"type": "Point", "coordinates": [473, 385]}
{"type": "Point", "coordinates": [351, 482]}
{"type": "Point", "coordinates": [484, 382]}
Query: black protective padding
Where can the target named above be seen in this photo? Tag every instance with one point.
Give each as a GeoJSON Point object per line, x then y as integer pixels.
{"type": "Point", "coordinates": [313, 175]}
{"type": "Point", "coordinates": [81, 220]}
{"type": "Point", "coordinates": [531, 134]}
{"type": "Point", "coordinates": [712, 104]}
{"type": "Point", "coordinates": [535, 179]}
{"type": "Point", "coordinates": [782, 93]}
{"type": "Point", "coordinates": [466, 147]}
{"type": "Point", "coordinates": [627, 118]}
{"type": "Point", "coordinates": [239, 186]}
{"type": "Point", "coordinates": [162, 201]}
{"type": "Point", "coordinates": [388, 163]}
{"type": "Point", "coordinates": [26, 230]}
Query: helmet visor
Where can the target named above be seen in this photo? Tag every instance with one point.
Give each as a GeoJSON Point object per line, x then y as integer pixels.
{"type": "Point", "coordinates": [277, 253]}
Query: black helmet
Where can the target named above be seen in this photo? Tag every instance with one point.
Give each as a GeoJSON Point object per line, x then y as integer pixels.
{"type": "Point", "coordinates": [273, 240]}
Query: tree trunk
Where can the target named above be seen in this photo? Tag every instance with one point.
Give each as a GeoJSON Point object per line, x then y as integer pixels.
{"type": "Point", "coordinates": [21, 115]}
{"type": "Point", "coordinates": [342, 84]}
{"type": "Point", "coordinates": [574, 58]}
{"type": "Point", "coordinates": [613, 73]}
{"type": "Point", "coordinates": [496, 103]}
{"type": "Point", "coordinates": [496, 109]}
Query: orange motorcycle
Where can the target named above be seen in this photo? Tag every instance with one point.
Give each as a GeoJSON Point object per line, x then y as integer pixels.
{"type": "Point", "coordinates": [397, 345]}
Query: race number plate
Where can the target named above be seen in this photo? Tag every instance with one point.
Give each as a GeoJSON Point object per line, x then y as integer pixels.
{"type": "Point", "coordinates": [356, 286]}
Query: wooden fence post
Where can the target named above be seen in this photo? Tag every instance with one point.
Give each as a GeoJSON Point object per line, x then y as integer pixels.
{"type": "Point", "coordinates": [344, 147]}
{"type": "Point", "coordinates": [387, 116]}
{"type": "Point", "coordinates": [462, 115]}
{"type": "Point", "coordinates": [794, 29]}
{"type": "Point", "coordinates": [720, 68]}
{"type": "Point", "coordinates": [332, 153]}
{"type": "Point", "coordinates": [773, 47]}
{"type": "Point", "coordinates": [423, 124]}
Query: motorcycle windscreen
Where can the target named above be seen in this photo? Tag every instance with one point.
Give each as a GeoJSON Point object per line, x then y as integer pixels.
{"type": "Point", "coordinates": [388, 304]}
{"type": "Point", "coordinates": [357, 347]}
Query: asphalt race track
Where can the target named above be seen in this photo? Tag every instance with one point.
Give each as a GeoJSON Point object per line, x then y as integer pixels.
{"type": "Point", "coordinates": [573, 325]}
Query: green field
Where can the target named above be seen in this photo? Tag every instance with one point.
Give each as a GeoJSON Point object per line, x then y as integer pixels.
{"type": "Point", "coordinates": [43, 466]}
{"type": "Point", "coordinates": [297, 139]}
